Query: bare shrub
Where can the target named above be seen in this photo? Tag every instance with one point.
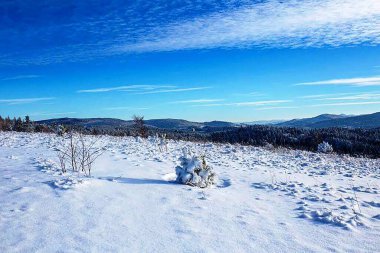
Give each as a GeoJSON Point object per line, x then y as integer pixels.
{"type": "Point", "coordinates": [79, 151]}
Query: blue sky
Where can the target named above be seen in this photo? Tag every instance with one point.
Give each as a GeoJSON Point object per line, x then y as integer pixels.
{"type": "Point", "coordinates": [197, 60]}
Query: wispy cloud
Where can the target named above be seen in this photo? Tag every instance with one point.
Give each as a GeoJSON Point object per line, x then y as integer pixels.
{"type": "Point", "coordinates": [128, 88]}
{"type": "Point", "coordinates": [149, 26]}
{"type": "Point", "coordinates": [250, 94]}
{"type": "Point", "coordinates": [125, 108]}
{"type": "Point", "coordinates": [196, 101]}
{"type": "Point", "coordinates": [52, 113]}
{"type": "Point", "coordinates": [250, 103]}
{"type": "Point", "coordinates": [277, 107]}
{"type": "Point", "coordinates": [363, 96]}
{"type": "Point", "coordinates": [359, 82]}
{"type": "Point", "coordinates": [348, 103]}
{"type": "Point", "coordinates": [173, 90]}
{"type": "Point", "coordinates": [271, 24]}
{"type": "Point", "coordinates": [317, 96]}
{"type": "Point", "coordinates": [18, 101]}
{"type": "Point", "coordinates": [20, 77]}
{"type": "Point", "coordinates": [259, 103]}
{"type": "Point", "coordinates": [143, 89]}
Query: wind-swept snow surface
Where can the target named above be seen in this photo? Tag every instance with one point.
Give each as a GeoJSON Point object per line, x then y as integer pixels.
{"type": "Point", "coordinates": [264, 201]}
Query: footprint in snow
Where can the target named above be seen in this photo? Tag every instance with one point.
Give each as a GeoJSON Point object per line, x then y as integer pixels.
{"type": "Point", "coordinates": [225, 183]}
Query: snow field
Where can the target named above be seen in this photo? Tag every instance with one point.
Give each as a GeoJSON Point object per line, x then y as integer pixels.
{"type": "Point", "coordinates": [264, 201]}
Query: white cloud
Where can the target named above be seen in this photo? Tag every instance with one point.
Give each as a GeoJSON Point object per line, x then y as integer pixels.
{"type": "Point", "coordinates": [259, 103]}
{"type": "Point", "coordinates": [149, 26]}
{"type": "Point", "coordinates": [348, 103]}
{"type": "Point", "coordinates": [273, 23]}
{"type": "Point", "coordinates": [250, 103]}
{"type": "Point", "coordinates": [126, 88]}
{"type": "Point", "coordinates": [126, 108]}
{"type": "Point", "coordinates": [173, 90]}
{"type": "Point", "coordinates": [362, 96]}
{"type": "Point", "coordinates": [52, 113]}
{"type": "Point", "coordinates": [196, 101]}
{"type": "Point", "coordinates": [277, 107]}
{"type": "Point", "coordinates": [143, 89]}
{"type": "Point", "coordinates": [358, 81]}
{"type": "Point", "coordinates": [20, 77]}
{"type": "Point", "coordinates": [18, 101]}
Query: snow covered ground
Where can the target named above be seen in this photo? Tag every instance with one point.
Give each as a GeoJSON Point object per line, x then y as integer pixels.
{"type": "Point", "coordinates": [265, 201]}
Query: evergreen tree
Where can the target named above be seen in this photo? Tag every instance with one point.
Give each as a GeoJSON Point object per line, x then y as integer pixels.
{"type": "Point", "coordinates": [2, 123]}
{"type": "Point", "coordinates": [18, 126]}
{"type": "Point", "coordinates": [28, 125]}
{"type": "Point", "coordinates": [8, 126]}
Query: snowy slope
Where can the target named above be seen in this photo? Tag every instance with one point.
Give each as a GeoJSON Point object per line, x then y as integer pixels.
{"type": "Point", "coordinates": [266, 201]}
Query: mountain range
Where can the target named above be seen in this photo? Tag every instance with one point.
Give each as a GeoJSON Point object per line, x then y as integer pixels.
{"type": "Point", "coordinates": [331, 120]}
{"type": "Point", "coordinates": [172, 124]}
{"type": "Point", "coordinates": [366, 121]}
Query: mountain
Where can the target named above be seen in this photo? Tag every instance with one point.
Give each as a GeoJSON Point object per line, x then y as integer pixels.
{"type": "Point", "coordinates": [330, 120]}
{"type": "Point", "coordinates": [264, 122]}
{"type": "Point", "coordinates": [90, 122]}
{"type": "Point", "coordinates": [307, 122]}
{"type": "Point", "coordinates": [361, 121]}
{"type": "Point", "coordinates": [178, 124]}
{"type": "Point", "coordinates": [321, 121]}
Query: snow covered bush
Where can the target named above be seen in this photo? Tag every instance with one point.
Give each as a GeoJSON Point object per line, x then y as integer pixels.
{"type": "Point", "coordinates": [194, 171]}
{"type": "Point", "coordinates": [325, 147]}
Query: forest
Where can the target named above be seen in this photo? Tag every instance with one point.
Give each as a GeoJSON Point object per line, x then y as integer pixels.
{"type": "Point", "coordinates": [354, 142]}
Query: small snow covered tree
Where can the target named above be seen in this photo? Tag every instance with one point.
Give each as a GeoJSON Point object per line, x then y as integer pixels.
{"type": "Point", "coordinates": [325, 147]}
{"type": "Point", "coordinates": [194, 171]}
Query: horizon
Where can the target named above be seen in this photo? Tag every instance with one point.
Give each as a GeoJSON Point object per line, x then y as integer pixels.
{"type": "Point", "coordinates": [212, 120]}
{"type": "Point", "coordinates": [199, 61]}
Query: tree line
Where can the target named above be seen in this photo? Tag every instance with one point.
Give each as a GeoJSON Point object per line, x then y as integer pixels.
{"type": "Point", "coordinates": [355, 142]}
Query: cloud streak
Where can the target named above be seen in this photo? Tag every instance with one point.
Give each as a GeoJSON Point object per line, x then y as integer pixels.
{"type": "Point", "coordinates": [196, 101]}
{"type": "Point", "coordinates": [143, 89]}
{"type": "Point", "coordinates": [127, 88]}
{"type": "Point", "coordinates": [271, 24]}
{"type": "Point", "coordinates": [19, 101]}
{"type": "Point", "coordinates": [173, 90]}
{"type": "Point", "coordinates": [348, 103]}
{"type": "Point", "coordinates": [358, 82]}
{"type": "Point", "coordinates": [155, 26]}
{"type": "Point", "coordinates": [126, 108]}
{"type": "Point", "coordinates": [19, 77]}
{"type": "Point", "coordinates": [245, 104]}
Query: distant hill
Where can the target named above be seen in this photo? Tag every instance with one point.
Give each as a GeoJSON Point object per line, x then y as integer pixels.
{"type": "Point", "coordinates": [362, 121]}
{"type": "Point", "coordinates": [90, 122]}
{"type": "Point", "coordinates": [307, 122]}
{"type": "Point", "coordinates": [321, 121]}
{"type": "Point", "coordinates": [264, 122]}
{"type": "Point", "coordinates": [172, 124]}
{"type": "Point", "coordinates": [330, 120]}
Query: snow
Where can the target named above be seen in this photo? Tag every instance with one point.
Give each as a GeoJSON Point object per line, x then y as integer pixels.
{"type": "Point", "coordinates": [264, 200]}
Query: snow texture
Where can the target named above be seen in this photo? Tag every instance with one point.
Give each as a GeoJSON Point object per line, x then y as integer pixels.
{"type": "Point", "coordinates": [263, 200]}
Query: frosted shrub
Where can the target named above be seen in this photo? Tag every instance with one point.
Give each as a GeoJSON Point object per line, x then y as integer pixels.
{"type": "Point", "coordinates": [194, 171]}
{"type": "Point", "coordinates": [78, 151]}
{"type": "Point", "coordinates": [325, 147]}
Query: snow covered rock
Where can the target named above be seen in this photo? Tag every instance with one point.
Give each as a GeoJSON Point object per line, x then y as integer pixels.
{"type": "Point", "coordinates": [325, 147]}
{"type": "Point", "coordinates": [194, 171]}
